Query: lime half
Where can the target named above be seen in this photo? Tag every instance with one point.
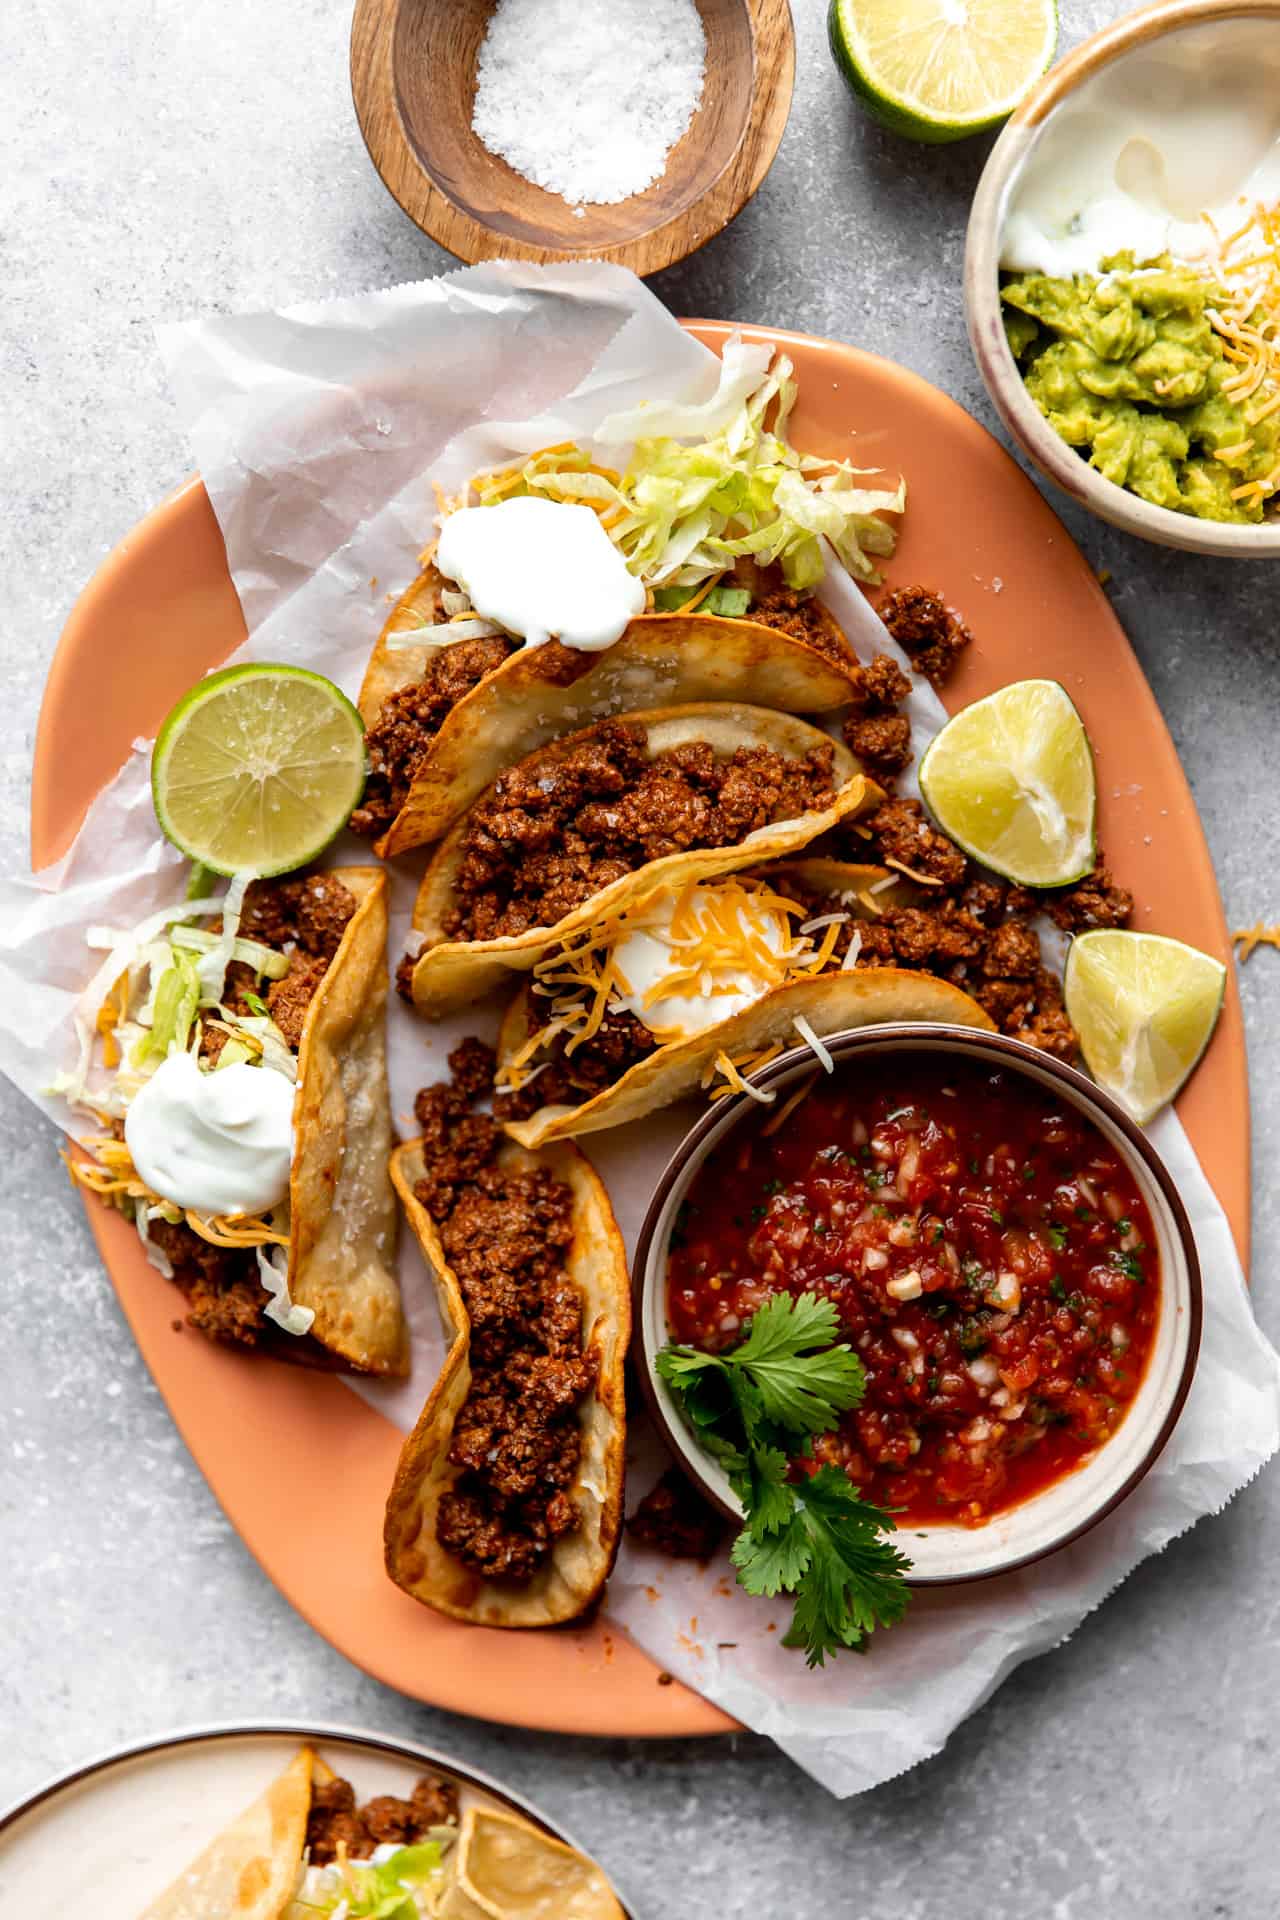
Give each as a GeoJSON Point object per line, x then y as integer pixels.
{"type": "Point", "coordinates": [258, 768]}
{"type": "Point", "coordinates": [939, 70]}
{"type": "Point", "coordinates": [1011, 779]}
{"type": "Point", "coordinates": [1145, 1008]}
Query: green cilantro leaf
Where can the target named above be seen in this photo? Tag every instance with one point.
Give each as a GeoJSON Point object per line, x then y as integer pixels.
{"type": "Point", "coordinates": [779, 1562]}
{"type": "Point", "coordinates": [765, 1494]}
{"type": "Point", "coordinates": [812, 1535]}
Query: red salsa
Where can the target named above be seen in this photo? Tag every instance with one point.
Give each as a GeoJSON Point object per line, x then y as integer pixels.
{"type": "Point", "coordinates": [989, 1254]}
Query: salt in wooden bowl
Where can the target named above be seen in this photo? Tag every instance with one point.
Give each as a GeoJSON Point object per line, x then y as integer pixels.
{"type": "Point", "coordinates": [413, 78]}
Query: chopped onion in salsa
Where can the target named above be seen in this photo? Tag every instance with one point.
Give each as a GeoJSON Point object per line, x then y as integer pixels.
{"type": "Point", "coordinates": [989, 1254]}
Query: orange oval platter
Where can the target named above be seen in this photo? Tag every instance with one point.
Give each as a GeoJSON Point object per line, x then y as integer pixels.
{"type": "Point", "coordinates": [298, 1462]}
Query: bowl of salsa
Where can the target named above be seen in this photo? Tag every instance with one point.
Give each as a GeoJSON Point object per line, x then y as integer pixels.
{"type": "Point", "coordinates": [1005, 1251]}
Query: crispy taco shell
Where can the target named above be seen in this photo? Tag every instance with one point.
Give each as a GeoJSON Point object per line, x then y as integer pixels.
{"type": "Point", "coordinates": [450, 974]}
{"type": "Point", "coordinates": [250, 1870]}
{"type": "Point", "coordinates": [540, 693]}
{"type": "Point", "coordinates": [343, 1211]}
{"type": "Point", "coordinates": [580, 1561]}
{"type": "Point", "coordinates": [864, 891]}
{"type": "Point", "coordinates": [830, 1002]}
{"type": "Point", "coordinates": [503, 1868]}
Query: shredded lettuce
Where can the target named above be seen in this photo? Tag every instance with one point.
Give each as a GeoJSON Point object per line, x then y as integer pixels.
{"type": "Point", "coordinates": [382, 1890]}
{"type": "Point", "coordinates": [174, 1006]}
{"type": "Point", "coordinates": [265, 961]}
{"type": "Point", "coordinates": [742, 369]}
{"type": "Point", "coordinates": [713, 483]}
{"type": "Point", "coordinates": [214, 964]}
{"type": "Point", "coordinates": [273, 1271]}
{"type": "Point", "coordinates": [725, 603]}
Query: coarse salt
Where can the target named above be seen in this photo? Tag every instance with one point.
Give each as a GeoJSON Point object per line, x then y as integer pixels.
{"type": "Point", "coordinates": [587, 97]}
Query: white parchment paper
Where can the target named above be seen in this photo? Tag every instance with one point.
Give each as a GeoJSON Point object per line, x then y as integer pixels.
{"type": "Point", "coordinates": [319, 431]}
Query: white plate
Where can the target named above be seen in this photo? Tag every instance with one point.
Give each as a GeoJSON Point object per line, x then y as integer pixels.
{"type": "Point", "coordinates": [100, 1842]}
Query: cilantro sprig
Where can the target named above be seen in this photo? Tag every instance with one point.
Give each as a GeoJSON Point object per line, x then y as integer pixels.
{"type": "Point", "coordinates": [755, 1409]}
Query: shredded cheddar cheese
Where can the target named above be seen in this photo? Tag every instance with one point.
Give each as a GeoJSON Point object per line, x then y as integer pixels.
{"type": "Point", "coordinates": [715, 933]}
{"type": "Point", "coordinates": [113, 1010]}
{"type": "Point", "coordinates": [112, 1175]}
{"type": "Point", "coordinates": [1247, 940]}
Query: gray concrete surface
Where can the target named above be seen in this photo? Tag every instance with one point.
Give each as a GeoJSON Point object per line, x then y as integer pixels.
{"type": "Point", "coordinates": [169, 156]}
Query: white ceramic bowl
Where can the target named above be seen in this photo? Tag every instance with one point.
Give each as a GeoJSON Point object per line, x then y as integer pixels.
{"type": "Point", "coordinates": [1130, 37]}
{"type": "Point", "coordinates": [944, 1554]}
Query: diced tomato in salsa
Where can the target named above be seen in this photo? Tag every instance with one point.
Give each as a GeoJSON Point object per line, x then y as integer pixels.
{"type": "Point", "coordinates": [990, 1257]}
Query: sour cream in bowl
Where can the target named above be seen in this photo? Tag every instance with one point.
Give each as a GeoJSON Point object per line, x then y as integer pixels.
{"type": "Point", "coordinates": [1122, 276]}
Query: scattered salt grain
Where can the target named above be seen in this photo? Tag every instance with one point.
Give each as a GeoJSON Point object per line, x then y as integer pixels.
{"type": "Point", "coordinates": [587, 97]}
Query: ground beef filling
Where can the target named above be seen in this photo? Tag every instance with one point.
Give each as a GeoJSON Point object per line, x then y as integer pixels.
{"type": "Point", "coordinates": [926, 629]}
{"type": "Point", "coordinates": [336, 1821]}
{"type": "Point", "coordinates": [225, 1298]}
{"type": "Point", "coordinates": [556, 830]}
{"type": "Point", "coordinates": [506, 1235]}
{"type": "Point", "coordinates": [411, 718]}
{"type": "Point", "coordinates": [567, 1079]}
{"type": "Point", "coordinates": [675, 1520]}
{"type": "Point", "coordinates": [306, 919]}
{"type": "Point", "coordinates": [804, 618]}
{"type": "Point", "coordinates": [965, 925]}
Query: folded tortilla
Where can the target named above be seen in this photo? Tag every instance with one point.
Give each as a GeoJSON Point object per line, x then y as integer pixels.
{"type": "Point", "coordinates": [830, 1002]}
{"type": "Point", "coordinates": [504, 1868]}
{"type": "Point", "coordinates": [580, 1561]}
{"type": "Point", "coordinates": [540, 693]}
{"type": "Point", "coordinates": [343, 1219]}
{"type": "Point", "coordinates": [249, 1872]}
{"type": "Point", "coordinates": [449, 974]}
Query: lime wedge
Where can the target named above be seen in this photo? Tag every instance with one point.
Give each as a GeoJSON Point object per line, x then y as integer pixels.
{"type": "Point", "coordinates": [938, 70]}
{"type": "Point", "coordinates": [258, 768]}
{"type": "Point", "coordinates": [1144, 1007]}
{"type": "Point", "coordinates": [1010, 778]}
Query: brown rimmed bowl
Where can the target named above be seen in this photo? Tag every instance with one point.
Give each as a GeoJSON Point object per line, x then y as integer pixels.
{"type": "Point", "coordinates": [1135, 34]}
{"type": "Point", "coordinates": [413, 78]}
{"type": "Point", "coordinates": [945, 1554]}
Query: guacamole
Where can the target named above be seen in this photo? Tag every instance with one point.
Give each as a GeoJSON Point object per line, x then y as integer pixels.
{"type": "Point", "coordinates": [1126, 367]}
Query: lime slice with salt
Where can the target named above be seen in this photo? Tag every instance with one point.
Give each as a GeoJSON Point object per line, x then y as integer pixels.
{"type": "Point", "coordinates": [939, 70]}
{"type": "Point", "coordinates": [1145, 1008]}
{"type": "Point", "coordinates": [1011, 779]}
{"type": "Point", "coordinates": [258, 768]}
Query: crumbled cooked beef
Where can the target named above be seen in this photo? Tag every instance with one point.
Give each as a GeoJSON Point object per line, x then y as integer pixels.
{"type": "Point", "coordinates": [410, 720]}
{"type": "Point", "coordinates": [311, 913]}
{"type": "Point", "coordinates": [336, 1821]}
{"type": "Point", "coordinates": [1013, 952]}
{"type": "Point", "coordinates": [926, 628]}
{"type": "Point", "coordinates": [676, 1520]}
{"type": "Point", "coordinates": [898, 831]}
{"type": "Point", "coordinates": [506, 1233]}
{"type": "Point", "coordinates": [305, 919]}
{"type": "Point", "coordinates": [567, 822]}
{"type": "Point", "coordinates": [289, 998]}
{"type": "Point", "coordinates": [567, 1079]}
{"type": "Point", "coordinates": [434, 1801]}
{"type": "Point", "coordinates": [1029, 1009]}
{"type": "Point", "coordinates": [800, 615]}
{"type": "Point", "coordinates": [220, 1285]}
{"type": "Point", "coordinates": [1095, 901]}
{"type": "Point", "coordinates": [874, 730]}
{"type": "Point", "coordinates": [880, 742]}
{"type": "Point", "coordinates": [975, 941]}
{"type": "Point", "coordinates": [405, 967]}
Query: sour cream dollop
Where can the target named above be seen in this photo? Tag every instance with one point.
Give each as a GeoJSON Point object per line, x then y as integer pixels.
{"type": "Point", "coordinates": [1153, 154]}
{"type": "Point", "coordinates": [220, 1143]}
{"type": "Point", "coordinates": [648, 955]}
{"type": "Point", "coordinates": [541, 568]}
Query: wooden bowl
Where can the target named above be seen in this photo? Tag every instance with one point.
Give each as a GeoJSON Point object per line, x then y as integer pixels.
{"type": "Point", "coordinates": [413, 68]}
